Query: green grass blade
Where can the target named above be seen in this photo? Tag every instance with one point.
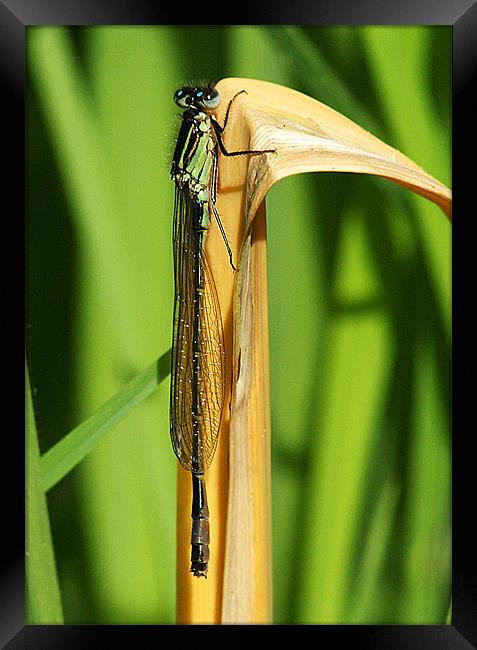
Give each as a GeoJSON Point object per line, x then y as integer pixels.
{"type": "Point", "coordinates": [324, 84]}
{"type": "Point", "coordinates": [449, 614]}
{"type": "Point", "coordinates": [43, 592]}
{"type": "Point", "coordinates": [76, 445]}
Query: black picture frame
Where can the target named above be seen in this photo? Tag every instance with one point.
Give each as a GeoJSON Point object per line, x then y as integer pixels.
{"type": "Point", "coordinates": [15, 15]}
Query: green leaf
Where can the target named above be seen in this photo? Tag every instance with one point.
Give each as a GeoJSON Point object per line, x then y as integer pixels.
{"type": "Point", "coordinates": [44, 602]}
{"type": "Point", "coordinates": [76, 445]}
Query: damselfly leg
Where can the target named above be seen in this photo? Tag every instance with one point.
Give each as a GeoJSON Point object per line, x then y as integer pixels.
{"type": "Point", "coordinates": [219, 131]}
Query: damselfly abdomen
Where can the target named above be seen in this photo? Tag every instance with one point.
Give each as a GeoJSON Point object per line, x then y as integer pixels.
{"type": "Point", "coordinates": [198, 355]}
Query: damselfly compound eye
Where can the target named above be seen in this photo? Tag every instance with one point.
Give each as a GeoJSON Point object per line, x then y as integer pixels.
{"type": "Point", "coordinates": [210, 99]}
{"type": "Point", "coordinates": [182, 97]}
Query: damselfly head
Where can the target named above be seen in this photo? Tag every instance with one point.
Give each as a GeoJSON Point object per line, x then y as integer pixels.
{"type": "Point", "coordinates": [205, 98]}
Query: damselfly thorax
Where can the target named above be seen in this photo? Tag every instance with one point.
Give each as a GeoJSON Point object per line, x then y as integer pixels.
{"type": "Point", "coordinates": [193, 156]}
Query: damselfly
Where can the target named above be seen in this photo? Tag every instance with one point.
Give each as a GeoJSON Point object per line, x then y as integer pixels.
{"type": "Point", "coordinates": [198, 355]}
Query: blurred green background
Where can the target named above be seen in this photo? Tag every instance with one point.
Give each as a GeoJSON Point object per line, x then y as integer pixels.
{"type": "Point", "coordinates": [359, 290]}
